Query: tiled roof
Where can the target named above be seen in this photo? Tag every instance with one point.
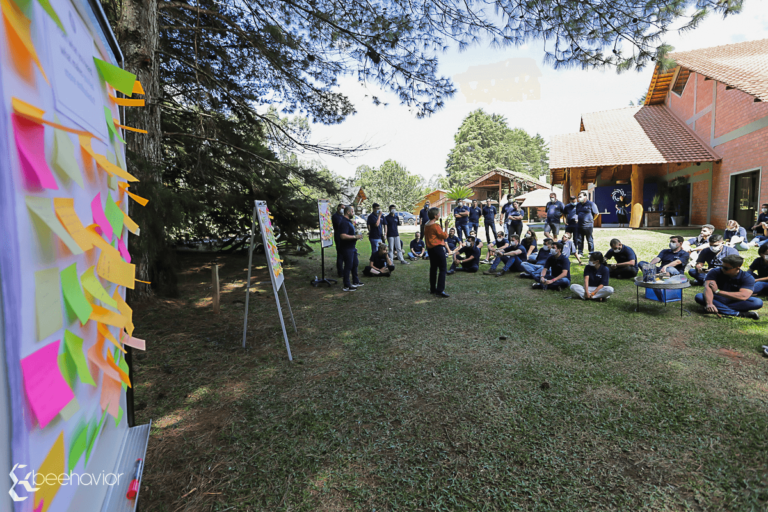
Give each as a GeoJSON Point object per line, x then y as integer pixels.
{"type": "Point", "coordinates": [509, 175]}
{"type": "Point", "coordinates": [648, 134]}
{"type": "Point", "coordinates": [743, 66]}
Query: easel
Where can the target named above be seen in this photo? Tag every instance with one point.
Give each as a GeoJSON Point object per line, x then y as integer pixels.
{"type": "Point", "coordinates": [260, 212]}
{"type": "Point", "coordinates": [322, 204]}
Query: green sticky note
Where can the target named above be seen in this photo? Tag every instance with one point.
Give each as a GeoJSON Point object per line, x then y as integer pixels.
{"type": "Point", "coordinates": [73, 294]}
{"type": "Point", "coordinates": [111, 125]}
{"type": "Point", "coordinates": [119, 416]}
{"type": "Point", "coordinates": [48, 302]}
{"type": "Point", "coordinates": [123, 365]}
{"type": "Point", "coordinates": [70, 409]}
{"type": "Point", "coordinates": [68, 369]}
{"type": "Point", "coordinates": [116, 77]}
{"type": "Point", "coordinates": [114, 215]}
{"type": "Point", "coordinates": [93, 432]}
{"type": "Point", "coordinates": [64, 157]}
{"type": "Point", "coordinates": [74, 349]}
{"type": "Point", "coordinates": [77, 445]}
{"type": "Point", "coordinates": [55, 17]}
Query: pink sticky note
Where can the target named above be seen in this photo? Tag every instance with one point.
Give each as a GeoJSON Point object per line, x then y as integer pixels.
{"type": "Point", "coordinates": [47, 391]}
{"type": "Point", "coordinates": [30, 144]}
{"type": "Point", "coordinates": [100, 218]}
{"type": "Point", "coordinates": [40, 506]}
{"type": "Point", "coordinates": [123, 250]}
{"type": "Point", "coordinates": [129, 340]}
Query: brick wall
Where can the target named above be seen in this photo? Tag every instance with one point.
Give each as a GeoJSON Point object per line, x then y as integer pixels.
{"type": "Point", "coordinates": [699, 203]}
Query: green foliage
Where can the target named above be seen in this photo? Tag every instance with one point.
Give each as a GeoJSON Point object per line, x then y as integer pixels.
{"type": "Point", "coordinates": [391, 184]}
{"type": "Point", "coordinates": [485, 141]}
{"type": "Point", "coordinates": [459, 193]}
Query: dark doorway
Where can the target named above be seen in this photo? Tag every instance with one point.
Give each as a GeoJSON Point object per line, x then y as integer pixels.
{"type": "Point", "coordinates": [743, 200]}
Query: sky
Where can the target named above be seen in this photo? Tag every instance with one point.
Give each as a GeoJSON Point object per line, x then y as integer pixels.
{"type": "Point", "coordinates": [548, 101]}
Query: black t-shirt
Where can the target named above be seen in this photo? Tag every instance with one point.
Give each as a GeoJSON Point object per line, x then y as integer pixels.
{"type": "Point", "coordinates": [379, 260]}
{"type": "Point", "coordinates": [556, 265]}
{"type": "Point", "coordinates": [417, 246]}
{"type": "Point", "coordinates": [336, 219]}
{"type": "Point", "coordinates": [759, 267]}
{"type": "Point", "coordinates": [347, 228]}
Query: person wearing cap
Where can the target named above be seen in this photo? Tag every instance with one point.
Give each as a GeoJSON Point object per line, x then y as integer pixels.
{"type": "Point", "coordinates": [728, 290]}
{"type": "Point", "coordinates": [626, 260]}
{"type": "Point", "coordinates": [571, 218]}
{"type": "Point", "coordinates": [349, 237]}
{"type": "Point", "coordinates": [468, 257]}
{"type": "Point", "coordinates": [475, 212]}
{"type": "Point", "coordinates": [393, 235]}
{"type": "Point", "coordinates": [375, 221]}
{"type": "Point", "coordinates": [461, 218]}
{"type": "Point", "coordinates": [423, 218]}
{"type": "Point", "coordinates": [712, 257]}
{"type": "Point", "coordinates": [586, 211]}
{"type": "Point", "coordinates": [556, 273]}
{"type": "Point", "coordinates": [336, 219]}
{"type": "Point", "coordinates": [435, 239]}
{"type": "Point", "coordinates": [489, 219]}
{"type": "Point", "coordinates": [555, 210]}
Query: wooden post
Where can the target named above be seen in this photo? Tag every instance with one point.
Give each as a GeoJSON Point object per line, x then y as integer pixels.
{"type": "Point", "coordinates": [215, 272]}
{"type": "Point", "coordinates": [637, 179]}
{"type": "Point", "coordinates": [577, 178]}
{"type": "Point", "coordinates": [567, 187]}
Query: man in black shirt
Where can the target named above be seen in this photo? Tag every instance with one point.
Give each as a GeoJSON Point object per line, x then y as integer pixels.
{"type": "Point", "coordinates": [489, 219]}
{"type": "Point", "coordinates": [349, 238]}
{"type": "Point", "coordinates": [423, 218]}
{"type": "Point", "coordinates": [380, 265]}
{"type": "Point", "coordinates": [336, 219]}
{"type": "Point", "coordinates": [468, 257]}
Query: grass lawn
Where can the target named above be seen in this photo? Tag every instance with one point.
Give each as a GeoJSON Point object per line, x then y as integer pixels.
{"type": "Point", "coordinates": [499, 398]}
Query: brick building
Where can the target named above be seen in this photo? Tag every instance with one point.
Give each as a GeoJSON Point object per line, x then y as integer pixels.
{"type": "Point", "coordinates": [703, 124]}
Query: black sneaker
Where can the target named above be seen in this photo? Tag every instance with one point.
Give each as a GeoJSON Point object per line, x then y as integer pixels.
{"type": "Point", "coordinates": [500, 273]}
{"type": "Point", "coordinates": [525, 274]}
{"type": "Point", "coordinates": [536, 286]}
{"type": "Point", "coordinates": [750, 314]}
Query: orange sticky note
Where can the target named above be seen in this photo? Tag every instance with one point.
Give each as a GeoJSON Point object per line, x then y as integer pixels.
{"type": "Point", "coordinates": [124, 187]}
{"type": "Point", "coordinates": [115, 270]}
{"type": "Point", "coordinates": [131, 225]}
{"type": "Point", "coordinates": [110, 395]}
{"type": "Point", "coordinates": [96, 356]}
{"type": "Point", "coordinates": [109, 167]}
{"type": "Point", "coordinates": [137, 88]}
{"type": "Point", "coordinates": [124, 310]}
{"type": "Point", "coordinates": [123, 375]}
{"type": "Point", "coordinates": [19, 24]}
{"type": "Point", "coordinates": [65, 211]}
{"type": "Point", "coordinates": [52, 465]}
{"type": "Point", "coordinates": [129, 128]}
{"type": "Point", "coordinates": [133, 342]}
{"type": "Point", "coordinates": [104, 331]}
{"type": "Point", "coordinates": [105, 316]}
{"type": "Point", "coordinates": [125, 102]}
{"type": "Point", "coordinates": [99, 242]}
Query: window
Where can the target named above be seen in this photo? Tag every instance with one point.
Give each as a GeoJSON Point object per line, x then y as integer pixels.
{"type": "Point", "coordinates": [682, 80]}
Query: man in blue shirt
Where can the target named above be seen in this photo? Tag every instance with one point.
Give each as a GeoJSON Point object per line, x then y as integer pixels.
{"type": "Point", "coordinates": [500, 244]}
{"type": "Point", "coordinates": [468, 257]}
{"type": "Point", "coordinates": [759, 270]}
{"type": "Point", "coordinates": [728, 290]}
{"type": "Point", "coordinates": [555, 210]}
{"type": "Point", "coordinates": [571, 218]}
{"type": "Point", "coordinates": [673, 260]}
{"type": "Point", "coordinates": [336, 219]}
{"type": "Point", "coordinates": [626, 260]}
{"type": "Point", "coordinates": [512, 256]}
{"type": "Point", "coordinates": [461, 217]}
{"type": "Point", "coordinates": [531, 269]}
{"type": "Point", "coordinates": [712, 257]}
{"type": "Point", "coordinates": [504, 216]}
{"type": "Point", "coordinates": [569, 248]}
{"type": "Point", "coordinates": [393, 235]}
{"type": "Point", "coordinates": [489, 219]}
{"type": "Point", "coordinates": [586, 211]}
{"type": "Point", "coordinates": [760, 229]}
{"type": "Point", "coordinates": [349, 237]}
{"type": "Point", "coordinates": [556, 273]}
{"type": "Point", "coordinates": [375, 221]}
{"type": "Point", "coordinates": [418, 248]}
{"type": "Point", "coordinates": [423, 218]}
{"type": "Point", "coordinates": [474, 217]}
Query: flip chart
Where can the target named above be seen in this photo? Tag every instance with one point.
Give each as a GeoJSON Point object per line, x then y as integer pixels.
{"type": "Point", "coordinates": [41, 207]}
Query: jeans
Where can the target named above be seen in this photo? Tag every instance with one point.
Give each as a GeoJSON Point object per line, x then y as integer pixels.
{"type": "Point", "coordinates": [552, 227]}
{"type": "Point", "coordinates": [375, 244]}
{"type": "Point", "coordinates": [516, 228]}
{"type": "Point", "coordinates": [414, 256]}
{"type": "Point", "coordinates": [465, 267]}
{"type": "Point", "coordinates": [367, 272]}
{"type": "Point", "coordinates": [437, 269]}
{"type": "Point", "coordinates": [731, 307]}
{"type": "Point", "coordinates": [672, 270]}
{"type": "Point", "coordinates": [532, 257]}
{"type": "Point", "coordinates": [761, 287]}
{"type": "Point", "coordinates": [698, 276]}
{"type": "Point", "coordinates": [475, 226]}
{"type": "Point", "coordinates": [509, 262]}
{"type": "Point", "coordinates": [761, 240]}
{"type": "Point", "coordinates": [462, 231]}
{"type": "Point", "coordinates": [421, 228]}
{"type": "Point", "coordinates": [585, 232]}
{"type": "Point", "coordinates": [350, 266]}
{"type": "Point", "coordinates": [625, 272]}
{"type": "Point", "coordinates": [339, 260]}
{"type": "Point", "coordinates": [560, 283]}
{"type": "Point", "coordinates": [533, 269]}
{"type": "Point", "coordinates": [604, 293]}
{"type": "Point", "coordinates": [490, 225]}
{"type": "Point", "coordinates": [394, 245]}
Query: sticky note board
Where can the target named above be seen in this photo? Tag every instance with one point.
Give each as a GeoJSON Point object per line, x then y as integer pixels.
{"type": "Point", "coordinates": [43, 210]}
{"type": "Point", "coordinates": [53, 464]}
{"type": "Point", "coordinates": [326, 226]}
{"type": "Point", "coordinates": [48, 302]}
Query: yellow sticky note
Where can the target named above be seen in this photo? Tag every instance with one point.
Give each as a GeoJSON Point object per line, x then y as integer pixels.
{"type": "Point", "coordinates": [41, 207]}
{"type": "Point", "coordinates": [108, 317]}
{"type": "Point", "coordinates": [124, 187]}
{"type": "Point", "coordinates": [48, 302]}
{"type": "Point", "coordinates": [99, 242]}
{"type": "Point", "coordinates": [19, 25]}
{"type": "Point", "coordinates": [124, 310]}
{"type": "Point", "coordinates": [64, 157]}
{"type": "Point", "coordinates": [115, 270]}
{"type": "Point", "coordinates": [52, 465]}
{"type": "Point", "coordinates": [65, 211]}
{"type": "Point", "coordinates": [131, 225]}
{"type": "Point", "coordinates": [85, 143]}
{"type": "Point", "coordinates": [92, 285]}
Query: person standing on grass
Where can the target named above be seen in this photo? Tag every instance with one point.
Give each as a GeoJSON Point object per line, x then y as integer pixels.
{"type": "Point", "coordinates": [468, 257]}
{"type": "Point", "coordinates": [418, 249]}
{"type": "Point", "coordinates": [349, 238]}
{"type": "Point", "coordinates": [673, 260]}
{"type": "Point", "coordinates": [712, 257]}
{"type": "Point", "coordinates": [735, 236]}
{"type": "Point", "coordinates": [759, 270]}
{"type": "Point", "coordinates": [500, 244]}
{"type": "Point", "coordinates": [728, 290]}
{"type": "Point", "coordinates": [571, 219]}
{"type": "Point", "coordinates": [555, 210]}
{"type": "Point", "coordinates": [379, 265]}
{"type": "Point", "coordinates": [489, 219]}
{"type": "Point", "coordinates": [461, 218]}
{"type": "Point", "coordinates": [393, 235]}
{"type": "Point", "coordinates": [586, 211]}
{"type": "Point", "coordinates": [336, 220]}
{"type": "Point", "coordinates": [423, 218]}
{"type": "Point", "coordinates": [626, 260]}
{"type": "Point", "coordinates": [533, 268]}
{"type": "Point", "coordinates": [375, 221]}
{"type": "Point", "coordinates": [435, 239]}
{"type": "Point", "coordinates": [475, 212]}
{"type": "Point", "coordinates": [596, 280]}
{"type": "Point", "coordinates": [556, 273]}
{"type": "Point", "coordinates": [511, 256]}
{"type": "Point", "coordinates": [515, 219]}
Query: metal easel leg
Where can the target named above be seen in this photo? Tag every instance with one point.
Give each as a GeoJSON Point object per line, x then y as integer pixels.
{"type": "Point", "coordinates": [282, 323]}
{"type": "Point", "coordinates": [285, 292]}
{"type": "Point", "coordinates": [248, 283]}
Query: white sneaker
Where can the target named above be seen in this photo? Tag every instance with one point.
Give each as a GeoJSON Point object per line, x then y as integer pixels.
{"type": "Point", "coordinates": [348, 289]}
{"type": "Point", "coordinates": [358, 285]}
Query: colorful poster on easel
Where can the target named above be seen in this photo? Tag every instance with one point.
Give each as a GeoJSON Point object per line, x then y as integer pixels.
{"type": "Point", "coordinates": [64, 264]}
{"type": "Point", "coordinates": [270, 243]}
{"type": "Point", "coordinates": [326, 226]}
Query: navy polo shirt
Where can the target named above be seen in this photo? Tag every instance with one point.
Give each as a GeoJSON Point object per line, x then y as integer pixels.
{"type": "Point", "coordinates": [571, 216]}
{"type": "Point", "coordinates": [542, 256]}
{"type": "Point", "coordinates": [452, 241]}
{"type": "Point", "coordinates": [586, 212]}
{"type": "Point", "coordinates": [597, 276]}
{"type": "Point", "coordinates": [336, 219]}
{"type": "Point", "coordinates": [474, 214]}
{"type": "Point", "coordinates": [505, 211]}
{"type": "Point", "coordinates": [713, 260]}
{"type": "Point", "coordinates": [424, 215]}
{"type": "Point", "coordinates": [763, 217]}
{"type": "Point", "coordinates": [379, 260]}
{"type": "Point", "coordinates": [517, 215]}
{"type": "Point", "coordinates": [759, 267]}
{"type": "Point", "coordinates": [528, 242]}
{"type": "Point", "coordinates": [668, 256]}
{"type": "Point", "coordinates": [554, 211]}
{"type": "Point", "coordinates": [374, 231]}
{"type": "Point", "coordinates": [347, 227]}
{"type": "Point", "coordinates": [489, 214]}
{"type": "Point", "coordinates": [697, 241]}
{"type": "Point", "coordinates": [472, 250]}
{"type": "Point", "coordinates": [391, 221]}
{"type": "Point", "coordinates": [461, 221]}
{"type": "Point", "coordinates": [417, 246]}
{"type": "Point", "coordinates": [728, 234]}
{"type": "Point", "coordinates": [624, 255]}
{"type": "Point", "coordinates": [556, 265]}
{"type": "Point", "coordinates": [731, 284]}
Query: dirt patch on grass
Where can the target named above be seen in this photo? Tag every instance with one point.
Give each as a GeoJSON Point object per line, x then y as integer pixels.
{"type": "Point", "coordinates": [734, 356]}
